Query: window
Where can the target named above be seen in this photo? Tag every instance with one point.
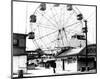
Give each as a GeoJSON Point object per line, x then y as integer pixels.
{"type": "Point", "coordinates": [22, 43]}
{"type": "Point", "coordinates": [15, 42]}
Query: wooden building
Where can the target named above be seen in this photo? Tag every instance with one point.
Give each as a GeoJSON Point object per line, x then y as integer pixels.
{"type": "Point", "coordinates": [19, 52]}
{"type": "Point", "coordinates": [87, 61]}
{"type": "Point", "coordinates": [77, 59]}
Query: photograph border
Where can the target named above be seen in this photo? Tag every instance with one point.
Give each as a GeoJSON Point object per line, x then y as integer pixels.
{"type": "Point", "coordinates": [12, 39]}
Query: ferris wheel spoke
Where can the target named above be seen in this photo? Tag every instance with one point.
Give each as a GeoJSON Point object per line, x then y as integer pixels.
{"type": "Point", "coordinates": [51, 18]}
{"type": "Point", "coordinates": [64, 16]}
{"type": "Point", "coordinates": [78, 10]}
{"type": "Point", "coordinates": [66, 37]}
{"type": "Point", "coordinates": [42, 40]}
{"type": "Point", "coordinates": [39, 36]}
{"type": "Point", "coordinates": [60, 19]}
{"type": "Point", "coordinates": [72, 31]}
{"type": "Point", "coordinates": [70, 15]}
{"type": "Point", "coordinates": [54, 15]}
{"type": "Point", "coordinates": [47, 19]}
{"type": "Point", "coordinates": [34, 44]}
{"type": "Point", "coordinates": [44, 26]}
{"type": "Point", "coordinates": [90, 17]}
{"type": "Point", "coordinates": [71, 25]}
{"type": "Point", "coordinates": [41, 33]}
{"type": "Point", "coordinates": [46, 35]}
{"type": "Point", "coordinates": [37, 43]}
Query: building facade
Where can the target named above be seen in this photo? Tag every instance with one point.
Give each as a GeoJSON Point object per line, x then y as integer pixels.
{"type": "Point", "coordinates": [19, 52]}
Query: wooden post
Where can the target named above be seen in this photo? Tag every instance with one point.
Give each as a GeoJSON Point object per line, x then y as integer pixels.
{"type": "Point", "coordinates": [77, 62]}
{"type": "Point", "coordinates": [63, 63]}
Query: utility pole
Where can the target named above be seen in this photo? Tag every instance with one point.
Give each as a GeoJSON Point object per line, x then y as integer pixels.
{"type": "Point", "coordinates": [86, 44]}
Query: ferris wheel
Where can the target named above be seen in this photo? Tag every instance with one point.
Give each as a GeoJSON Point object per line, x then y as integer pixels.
{"type": "Point", "coordinates": [53, 26]}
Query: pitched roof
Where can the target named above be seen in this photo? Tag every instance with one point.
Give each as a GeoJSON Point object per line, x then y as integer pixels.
{"type": "Point", "coordinates": [80, 51]}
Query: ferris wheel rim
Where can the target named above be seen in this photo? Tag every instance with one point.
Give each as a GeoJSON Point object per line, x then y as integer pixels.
{"type": "Point", "coordinates": [47, 34]}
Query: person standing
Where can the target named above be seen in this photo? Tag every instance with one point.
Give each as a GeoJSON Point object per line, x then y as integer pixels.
{"type": "Point", "coordinates": [54, 66]}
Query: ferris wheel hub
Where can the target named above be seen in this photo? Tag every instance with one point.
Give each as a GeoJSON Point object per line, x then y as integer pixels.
{"type": "Point", "coordinates": [61, 29]}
